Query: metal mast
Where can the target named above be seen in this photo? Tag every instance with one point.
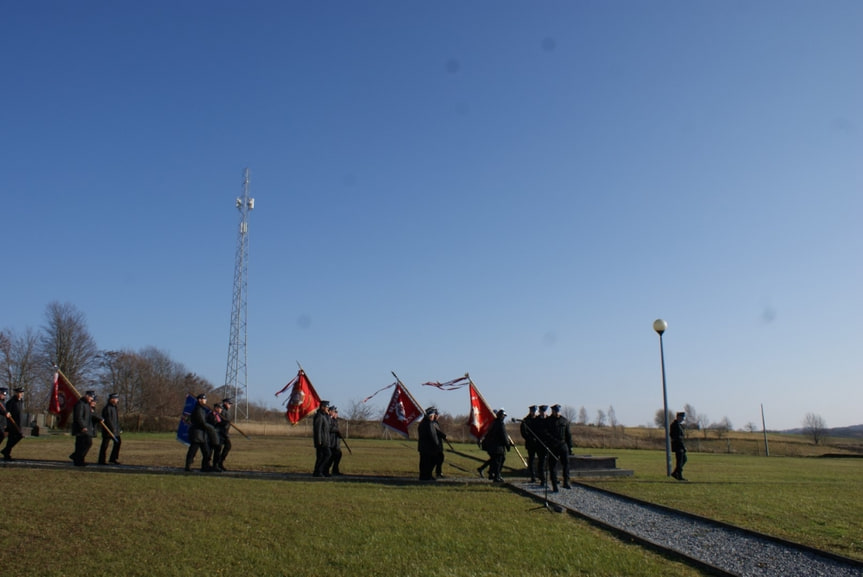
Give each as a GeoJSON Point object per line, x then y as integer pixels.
{"type": "Point", "coordinates": [236, 376]}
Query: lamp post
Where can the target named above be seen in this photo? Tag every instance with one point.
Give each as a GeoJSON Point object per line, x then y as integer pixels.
{"type": "Point", "coordinates": [659, 326]}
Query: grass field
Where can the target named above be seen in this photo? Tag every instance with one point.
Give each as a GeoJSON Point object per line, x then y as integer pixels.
{"type": "Point", "coordinates": [77, 522]}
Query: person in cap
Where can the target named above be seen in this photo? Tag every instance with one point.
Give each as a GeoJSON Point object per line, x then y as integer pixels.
{"type": "Point", "coordinates": [677, 434]}
{"type": "Point", "coordinates": [540, 425]}
{"type": "Point", "coordinates": [82, 428]}
{"type": "Point", "coordinates": [560, 445]}
{"type": "Point", "coordinates": [321, 437]}
{"type": "Point", "coordinates": [4, 414]}
{"type": "Point", "coordinates": [496, 443]}
{"type": "Point", "coordinates": [224, 432]}
{"type": "Point", "coordinates": [13, 426]}
{"type": "Point", "coordinates": [199, 436]}
{"type": "Point", "coordinates": [335, 443]}
{"type": "Point", "coordinates": [429, 444]}
{"type": "Point", "coordinates": [438, 466]}
{"type": "Point", "coordinates": [214, 423]}
{"type": "Point", "coordinates": [111, 418]}
{"type": "Point", "coordinates": [530, 444]}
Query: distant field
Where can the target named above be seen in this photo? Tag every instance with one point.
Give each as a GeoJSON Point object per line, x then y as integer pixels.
{"type": "Point", "coordinates": [818, 501]}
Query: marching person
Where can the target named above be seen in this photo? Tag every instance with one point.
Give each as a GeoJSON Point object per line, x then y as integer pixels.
{"type": "Point", "coordinates": [198, 436]}
{"type": "Point", "coordinates": [82, 427]}
{"type": "Point", "coordinates": [677, 433]}
{"type": "Point", "coordinates": [224, 432]}
{"type": "Point", "coordinates": [13, 426]}
{"type": "Point", "coordinates": [440, 458]}
{"type": "Point", "coordinates": [111, 419]}
{"type": "Point", "coordinates": [429, 444]}
{"type": "Point", "coordinates": [530, 444]}
{"type": "Point", "coordinates": [335, 443]}
{"type": "Point", "coordinates": [214, 422]}
{"type": "Point", "coordinates": [321, 438]}
{"type": "Point", "coordinates": [560, 445]}
{"type": "Point", "coordinates": [4, 413]}
{"type": "Point", "coordinates": [496, 443]}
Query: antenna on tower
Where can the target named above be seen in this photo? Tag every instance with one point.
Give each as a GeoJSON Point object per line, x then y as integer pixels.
{"type": "Point", "coordinates": [236, 375]}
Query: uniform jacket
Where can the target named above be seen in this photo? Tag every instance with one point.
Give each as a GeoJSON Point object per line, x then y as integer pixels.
{"type": "Point", "coordinates": [81, 417]}
{"type": "Point", "coordinates": [112, 420]}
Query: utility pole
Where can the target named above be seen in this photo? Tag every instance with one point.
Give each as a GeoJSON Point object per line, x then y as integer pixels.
{"type": "Point", "coordinates": [236, 375]}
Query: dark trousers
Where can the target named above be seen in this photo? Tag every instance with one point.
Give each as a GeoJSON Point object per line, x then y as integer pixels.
{"type": "Point", "coordinates": [495, 466]}
{"type": "Point", "coordinates": [438, 466]}
{"type": "Point", "coordinates": [12, 440]}
{"type": "Point", "coordinates": [322, 461]}
{"type": "Point", "coordinates": [103, 449]}
{"type": "Point", "coordinates": [679, 461]}
{"type": "Point", "coordinates": [83, 442]}
{"type": "Point", "coordinates": [198, 440]}
{"type": "Point", "coordinates": [562, 460]}
{"type": "Point", "coordinates": [335, 459]}
{"type": "Point", "coordinates": [427, 465]}
{"type": "Point", "coordinates": [541, 464]}
{"type": "Point", "coordinates": [531, 460]}
{"type": "Point", "coordinates": [219, 459]}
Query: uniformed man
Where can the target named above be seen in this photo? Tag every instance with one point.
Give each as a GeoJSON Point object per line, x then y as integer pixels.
{"type": "Point", "coordinates": [321, 438]}
{"type": "Point", "coordinates": [224, 432]}
{"type": "Point", "coordinates": [13, 425]}
{"type": "Point", "coordinates": [530, 444]}
{"type": "Point", "coordinates": [4, 413]}
{"type": "Point", "coordinates": [496, 443]}
{"type": "Point", "coordinates": [560, 445]}
{"type": "Point", "coordinates": [111, 418]}
{"type": "Point", "coordinates": [214, 422]}
{"type": "Point", "coordinates": [198, 436]}
{"type": "Point", "coordinates": [677, 434]}
{"type": "Point", "coordinates": [335, 442]}
{"type": "Point", "coordinates": [438, 466]}
{"type": "Point", "coordinates": [429, 444]}
{"type": "Point", "coordinates": [82, 427]}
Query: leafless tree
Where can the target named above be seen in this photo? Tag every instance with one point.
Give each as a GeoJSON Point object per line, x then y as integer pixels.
{"type": "Point", "coordinates": [750, 427]}
{"type": "Point", "coordinates": [359, 411]}
{"type": "Point", "coordinates": [568, 413]}
{"type": "Point", "coordinates": [659, 418]}
{"type": "Point", "coordinates": [66, 341]}
{"type": "Point", "coordinates": [722, 427]}
{"type": "Point", "coordinates": [20, 366]}
{"type": "Point", "coordinates": [582, 416]}
{"type": "Point", "coordinates": [600, 418]}
{"type": "Point", "coordinates": [703, 423]}
{"type": "Point", "coordinates": [815, 426]}
{"type": "Point", "coordinates": [612, 417]}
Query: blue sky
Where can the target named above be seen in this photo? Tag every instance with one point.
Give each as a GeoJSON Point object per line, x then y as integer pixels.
{"type": "Point", "coordinates": [514, 189]}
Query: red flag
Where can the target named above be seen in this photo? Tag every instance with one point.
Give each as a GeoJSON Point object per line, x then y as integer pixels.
{"type": "Point", "coordinates": [304, 399]}
{"type": "Point", "coordinates": [63, 398]}
{"type": "Point", "coordinates": [402, 411]}
{"type": "Point", "coordinates": [481, 415]}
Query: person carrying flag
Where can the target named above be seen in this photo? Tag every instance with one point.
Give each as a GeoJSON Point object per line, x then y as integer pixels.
{"type": "Point", "coordinates": [111, 431]}
{"type": "Point", "coordinates": [429, 444]}
{"type": "Point", "coordinates": [82, 427]}
{"type": "Point", "coordinates": [321, 438]}
{"type": "Point", "coordinates": [496, 443]}
{"type": "Point", "coordinates": [224, 432]}
{"type": "Point", "coordinates": [214, 422]}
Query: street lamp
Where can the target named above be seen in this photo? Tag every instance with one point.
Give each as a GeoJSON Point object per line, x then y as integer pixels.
{"type": "Point", "coordinates": [659, 326]}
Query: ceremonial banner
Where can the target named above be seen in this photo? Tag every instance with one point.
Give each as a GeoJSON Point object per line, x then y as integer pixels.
{"type": "Point", "coordinates": [402, 410]}
{"type": "Point", "coordinates": [304, 399]}
{"type": "Point", "coordinates": [449, 385]}
{"type": "Point", "coordinates": [63, 398]}
{"type": "Point", "coordinates": [481, 415]}
{"type": "Point", "coordinates": [183, 427]}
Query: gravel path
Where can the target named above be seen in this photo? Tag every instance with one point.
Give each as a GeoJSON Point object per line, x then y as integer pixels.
{"type": "Point", "coordinates": [732, 550]}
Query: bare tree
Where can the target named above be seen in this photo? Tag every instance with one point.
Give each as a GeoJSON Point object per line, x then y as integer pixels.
{"type": "Point", "coordinates": [19, 363]}
{"type": "Point", "coordinates": [582, 416]}
{"type": "Point", "coordinates": [659, 418]}
{"type": "Point", "coordinates": [67, 342]}
{"type": "Point", "coordinates": [703, 423]}
{"type": "Point", "coordinates": [612, 417]}
{"type": "Point", "coordinates": [568, 413]}
{"type": "Point", "coordinates": [600, 418]}
{"type": "Point", "coordinates": [815, 426]}
{"type": "Point", "coordinates": [359, 411]}
{"type": "Point", "coordinates": [722, 427]}
{"type": "Point", "coordinates": [750, 427]}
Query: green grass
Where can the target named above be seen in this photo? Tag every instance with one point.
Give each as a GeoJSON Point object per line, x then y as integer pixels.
{"type": "Point", "coordinates": [79, 522]}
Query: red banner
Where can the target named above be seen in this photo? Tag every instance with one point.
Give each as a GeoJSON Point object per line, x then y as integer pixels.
{"type": "Point", "coordinates": [481, 415]}
{"type": "Point", "coordinates": [304, 399]}
{"type": "Point", "coordinates": [402, 411]}
{"type": "Point", "coordinates": [63, 398]}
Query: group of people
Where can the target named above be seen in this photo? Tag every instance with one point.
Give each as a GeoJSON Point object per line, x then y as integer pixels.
{"type": "Point", "coordinates": [548, 441]}
{"type": "Point", "coordinates": [10, 419]}
{"type": "Point", "coordinates": [85, 424]}
{"type": "Point", "coordinates": [328, 440]}
{"type": "Point", "coordinates": [209, 432]}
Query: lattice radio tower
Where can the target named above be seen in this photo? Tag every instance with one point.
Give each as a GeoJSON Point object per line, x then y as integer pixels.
{"type": "Point", "coordinates": [236, 375]}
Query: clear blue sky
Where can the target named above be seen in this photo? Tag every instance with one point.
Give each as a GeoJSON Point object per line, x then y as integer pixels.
{"type": "Point", "coordinates": [514, 189]}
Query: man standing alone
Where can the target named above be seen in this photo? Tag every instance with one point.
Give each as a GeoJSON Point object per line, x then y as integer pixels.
{"type": "Point", "coordinates": [13, 427]}
{"type": "Point", "coordinates": [677, 432]}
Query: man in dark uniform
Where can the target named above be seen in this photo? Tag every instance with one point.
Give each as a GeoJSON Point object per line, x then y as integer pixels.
{"type": "Point", "coordinates": [530, 445]}
{"type": "Point", "coordinates": [198, 436]}
{"type": "Point", "coordinates": [496, 443]}
{"type": "Point", "coordinates": [111, 418]}
{"type": "Point", "coordinates": [82, 427]}
{"type": "Point", "coordinates": [438, 466]}
{"type": "Point", "coordinates": [335, 443]}
{"type": "Point", "coordinates": [321, 437]}
{"type": "Point", "coordinates": [224, 432]}
{"type": "Point", "coordinates": [13, 426]}
{"type": "Point", "coordinates": [214, 422]}
{"type": "Point", "coordinates": [560, 444]}
{"type": "Point", "coordinates": [429, 444]}
{"type": "Point", "coordinates": [677, 433]}
{"type": "Point", "coordinates": [541, 438]}
{"type": "Point", "coordinates": [4, 413]}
